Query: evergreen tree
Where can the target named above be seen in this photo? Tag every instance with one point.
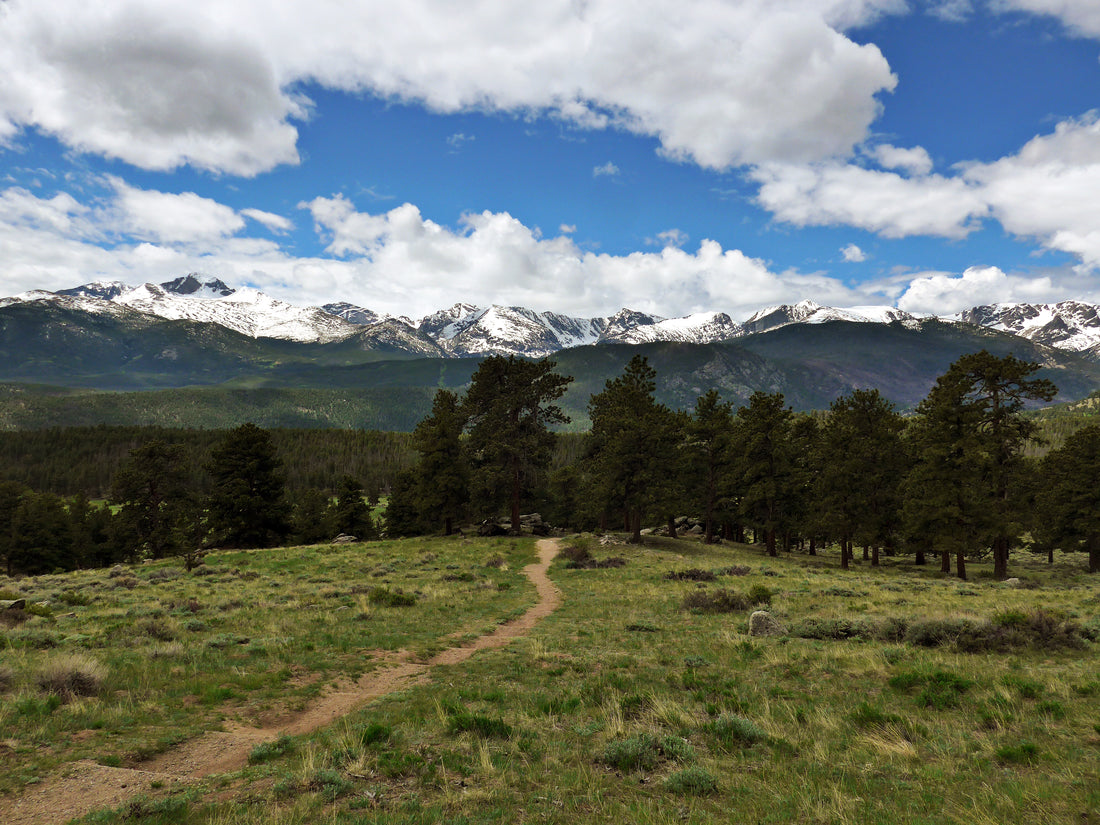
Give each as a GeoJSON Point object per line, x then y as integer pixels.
{"type": "Point", "coordinates": [11, 494]}
{"type": "Point", "coordinates": [633, 438]}
{"type": "Point", "coordinates": [403, 515]}
{"type": "Point", "coordinates": [247, 505]}
{"type": "Point", "coordinates": [1069, 501]}
{"type": "Point", "coordinates": [862, 462]}
{"type": "Point", "coordinates": [709, 455]}
{"type": "Point", "coordinates": [764, 470]}
{"type": "Point", "coordinates": [148, 489]}
{"type": "Point", "coordinates": [42, 536]}
{"type": "Point", "coordinates": [443, 477]}
{"type": "Point", "coordinates": [509, 411]}
{"type": "Point", "coordinates": [350, 513]}
{"type": "Point", "coordinates": [310, 517]}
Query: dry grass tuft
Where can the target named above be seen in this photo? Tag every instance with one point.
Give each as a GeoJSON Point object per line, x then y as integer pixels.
{"type": "Point", "coordinates": [70, 675]}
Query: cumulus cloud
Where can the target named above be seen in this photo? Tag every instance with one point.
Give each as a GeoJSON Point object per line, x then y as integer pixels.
{"type": "Point", "coordinates": [944, 293]}
{"type": "Point", "coordinates": [276, 223]}
{"type": "Point", "coordinates": [915, 160]}
{"type": "Point", "coordinates": [853, 254]}
{"type": "Point", "coordinates": [670, 237]}
{"type": "Point", "coordinates": [167, 217]}
{"type": "Point", "coordinates": [609, 170]}
{"type": "Point", "coordinates": [213, 84]}
{"type": "Point", "coordinates": [887, 203]}
{"type": "Point", "coordinates": [1079, 16]}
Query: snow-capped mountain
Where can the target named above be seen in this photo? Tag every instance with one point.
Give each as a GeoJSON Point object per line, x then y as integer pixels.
{"type": "Point", "coordinates": [1069, 325]}
{"type": "Point", "coordinates": [808, 312]}
{"type": "Point", "coordinates": [468, 330]}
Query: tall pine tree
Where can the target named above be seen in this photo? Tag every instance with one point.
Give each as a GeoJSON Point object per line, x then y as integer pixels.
{"type": "Point", "coordinates": [247, 504]}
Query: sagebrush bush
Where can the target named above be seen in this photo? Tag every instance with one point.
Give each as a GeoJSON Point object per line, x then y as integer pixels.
{"type": "Point", "coordinates": [71, 675]}
{"type": "Point", "coordinates": [736, 731]}
{"type": "Point", "coordinates": [716, 601]}
{"type": "Point", "coordinates": [384, 597]}
{"type": "Point", "coordinates": [645, 752]}
{"type": "Point", "coordinates": [692, 574]}
{"type": "Point", "coordinates": [693, 781]}
{"type": "Point", "coordinates": [266, 751]}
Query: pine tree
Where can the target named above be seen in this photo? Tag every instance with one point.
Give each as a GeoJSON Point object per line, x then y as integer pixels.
{"type": "Point", "coordinates": [149, 489]}
{"type": "Point", "coordinates": [1069, 501]}
{"type": "Point", "coordinates": [763, 472]}
{"type": "Point", "coordinates": [443, 476]}
{"type": "Point", "coordinates": [862, 461]}
{"type": "Point", "coordinates": [632, 466]}
{"type": "Point", "coordinates": [509, 411]}
{"type": "Point", "coordinates": [350, 513]}
{"type": "Point", "coordinates": [709, 454]}
{"type": "Point", "coordinates": [247, 505]}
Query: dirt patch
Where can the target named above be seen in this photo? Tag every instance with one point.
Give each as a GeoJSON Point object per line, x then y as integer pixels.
{"type": "Point", "coordinates": [86, 786]}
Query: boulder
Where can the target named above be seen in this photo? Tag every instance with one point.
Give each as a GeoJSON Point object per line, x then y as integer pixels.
{"type": "Point", "coordinates": [1013, 582]}
{"type": "Point", "coordinates": [763, 623]}
{"type": "Point", "coordinates": [13, 604]}
{"type": "Point", "coordinates": [344, 538]}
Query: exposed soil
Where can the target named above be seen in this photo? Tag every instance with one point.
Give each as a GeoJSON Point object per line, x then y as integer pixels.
{"type": "Point", "coordinates": [85, 786]}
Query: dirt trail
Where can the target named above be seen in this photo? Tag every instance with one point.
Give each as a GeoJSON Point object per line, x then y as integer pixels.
{"type": "Point", "coordinates": [85, 786]}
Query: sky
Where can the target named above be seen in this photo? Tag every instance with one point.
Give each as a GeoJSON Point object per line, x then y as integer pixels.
{"type": "Point", "coordinates": [577, 156]}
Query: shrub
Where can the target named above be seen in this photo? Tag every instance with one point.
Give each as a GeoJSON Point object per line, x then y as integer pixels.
{"type": "Point", "coordinates": [691, 782]}
{"type": "Point", "coordinates": [869, 716]}
{"type": "Point", "coordinates": [75, 598]}
{"type": "Point", "coordinates": [834, 629]}
{"type": "Point", "coordinates": [384, 597]}
{"type": "Point", "coordinates": [71, 675]}
{"type": "Point", "coordinates": [158, 630]}
{"type": "Point", "coordinates": [645, 752]}
{"type": "Point", "coordinates": [940, 689]}
{"type": "Point", "coordinates": [266, 751]}
{"type": "Point", "coordinates": [577, 551]}
{"type": "Point", "coordinates": [734, 570]}
{"type": "Point", "coordinates": [7, 678]}
{"type": "Point", "coordinates": [693, 574]}
{"type": "Point", "coordinates": [937, 632]}
{"type": "Point", "coordinates": [13, 617]}
{"type": "Point", "coordinates": [330, 784]}
{"type": "Point", "coordinates": [1026, 753]}
{"type": "Point", "coordinates": [1026, 688]}
{"type": "Point", "coordinates": [736, 731]}
{"type": "Point", "coordinates": [759, 594]}
{"type": "Point", "coordinates": [376, 734]}
{"type": "Point", "coordinates": [715, 601]}
{"type": "Point", "coordinates": [461, 720]}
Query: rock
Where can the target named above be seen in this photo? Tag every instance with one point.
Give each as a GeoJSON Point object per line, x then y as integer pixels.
{"type": "Point", "coordinates": [1013, 582]}
{"type": "Point", "coordinates": [344, 538]}
{"type": "Point", "coordinates": [491, 528]}
{"type": "Point", "coordinates": [763, 623]}
{"type": "Point", "coordinates": [13, 604]}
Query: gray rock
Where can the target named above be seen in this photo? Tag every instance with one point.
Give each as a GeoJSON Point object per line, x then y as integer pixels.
{"type": "Point", "coordinates": [13, 604]}
{"type": "Point", "coordinates": [1013, 582]}
{"type": "Point", "coordinates": [344, 538]}
{"type": "Point", "coordinates": [763, 623]}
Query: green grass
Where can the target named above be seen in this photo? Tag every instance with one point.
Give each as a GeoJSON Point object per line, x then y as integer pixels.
{"type": "Point", "coordinates": [621, 706]}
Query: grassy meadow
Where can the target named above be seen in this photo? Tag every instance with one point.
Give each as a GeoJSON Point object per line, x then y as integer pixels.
{"type": "Point", "coordinates": [895, 695]}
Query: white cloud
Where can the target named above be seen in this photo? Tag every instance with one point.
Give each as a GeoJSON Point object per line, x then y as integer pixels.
{"type": "Point", "coordinates": [211, 84]}
{"type": "Point", "coordinates": [567, 228]}
{"type": "Point", "coordinates": [173, 218]}
{"type": "Point", "coordinates": [954, 11]}
{"type": "Point", "coordinates": [942, 293]}
{"type": "Point", "coordinates": [1080, 16]}
{"type": "Point", "coordinates": [853, 254]}
{"type": "Point", "coordinates": [276, 223]}
{"type": "Point", "coordinates": [457, 140]}
{"type": "Point", "coordinates": [670, 237]}
{"type": "Point", "coordinates": [608, 169]}
{"type": "Point", "coordinates": [884, 202]}
{"type": "Point", "coordinates": [915, 161]}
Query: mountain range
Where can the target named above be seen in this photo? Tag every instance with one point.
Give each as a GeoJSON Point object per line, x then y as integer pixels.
{"type": "Point", "coordinates": [467, 330]}
{"type": "Point", "coordinates": [196, 352]}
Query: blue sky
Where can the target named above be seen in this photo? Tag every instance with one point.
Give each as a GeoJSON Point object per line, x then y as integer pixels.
{"type": "Point", "coordinates": [579, 156]}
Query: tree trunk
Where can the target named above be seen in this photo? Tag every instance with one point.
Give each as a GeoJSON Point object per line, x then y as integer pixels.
{"type": "Point", "coordinates": [448, 526]}
{"type": "Point", "coordinates": [769, 541]}
{"type": "Point", "coordinates": [1094, 553]}
{"type": "Point", "coordinates": [920, 560]}
{"type": "Point", "coordinates": [1000, 558]}
{"type": "Point", "coordinates": [813, 546]}
{"type": "Point", "coordinates": [960, 563]}
{"type": "Point", "coordinates": [874, 556]}
{"type": "Point", "coordinates": [1050, 555]}
{"type": "Point", "coordinates": [636, 527]}
{"type": "Point", "coordinates": [672, 527]}
{"type": "Point", "coordinates": [945, 561]}
{"type": "Point", "coordinates": [866, 553]}
{"type": "Point", "coordinates": [516, 487]}
{"type": "Point", "coordinates": [844, 554]}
